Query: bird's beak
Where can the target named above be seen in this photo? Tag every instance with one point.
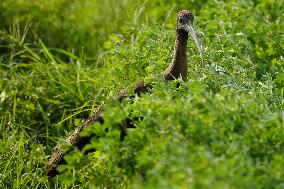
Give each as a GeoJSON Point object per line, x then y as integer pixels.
{"type": "Point", "coordinates": [189, 28]}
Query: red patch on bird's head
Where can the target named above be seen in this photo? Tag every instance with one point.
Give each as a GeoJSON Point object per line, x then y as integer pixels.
{"type": "Point", "coordinates": [184, 11]}
{"type": "Point", "coordinates": [185, 14]}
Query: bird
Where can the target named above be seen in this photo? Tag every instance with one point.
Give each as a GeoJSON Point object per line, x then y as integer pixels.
{"type": "Point", "coordinates": [178, 68]}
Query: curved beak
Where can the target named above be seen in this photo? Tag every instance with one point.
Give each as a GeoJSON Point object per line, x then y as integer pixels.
{"type": "Point", "coordinates": [189, 28]}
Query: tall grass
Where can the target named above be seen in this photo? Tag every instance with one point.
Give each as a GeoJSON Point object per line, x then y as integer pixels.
{"type": "Point", "coordinates": [85, 25]}
{"type": "Point", "coordinates": [222, 128]}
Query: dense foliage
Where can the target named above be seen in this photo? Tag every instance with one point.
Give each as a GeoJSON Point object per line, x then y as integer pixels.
{"type": "Point", "coordinates": [223, 128]}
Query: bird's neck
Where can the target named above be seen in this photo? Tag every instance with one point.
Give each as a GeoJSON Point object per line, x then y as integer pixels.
{"type": "Point", "coordinates": [178, 66]}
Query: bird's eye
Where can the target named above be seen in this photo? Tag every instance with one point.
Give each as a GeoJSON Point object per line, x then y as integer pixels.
{"type": "Point", "coordinates": [182, 20]}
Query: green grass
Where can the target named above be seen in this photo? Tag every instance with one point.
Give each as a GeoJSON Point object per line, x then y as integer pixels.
{"type": "Point", "coordinates": [223, 128]}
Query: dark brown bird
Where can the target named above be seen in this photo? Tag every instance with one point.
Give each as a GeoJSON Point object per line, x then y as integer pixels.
{"type": "Point", "coordinates": [177, 68]}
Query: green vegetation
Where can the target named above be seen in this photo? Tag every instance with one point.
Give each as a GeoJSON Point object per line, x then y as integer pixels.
{"type": "Point", "coordinates": [223, 128]}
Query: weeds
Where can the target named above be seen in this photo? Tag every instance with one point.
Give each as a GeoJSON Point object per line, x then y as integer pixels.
{"type": "Point", "coordinates": [223, 128]}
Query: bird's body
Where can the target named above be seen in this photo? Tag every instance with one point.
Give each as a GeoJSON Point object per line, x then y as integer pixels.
{"type": "Point", "coordinates": [177, 68]}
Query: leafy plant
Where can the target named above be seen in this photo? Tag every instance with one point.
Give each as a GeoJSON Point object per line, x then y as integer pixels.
{"type": "Point", "coordinates": [223, 128]}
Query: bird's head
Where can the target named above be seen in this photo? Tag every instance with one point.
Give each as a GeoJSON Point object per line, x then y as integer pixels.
{"type": "Point", "coordinates": [184, 20]}
{"type": "Point", "coordinates": [185, 23]}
